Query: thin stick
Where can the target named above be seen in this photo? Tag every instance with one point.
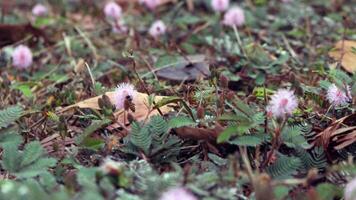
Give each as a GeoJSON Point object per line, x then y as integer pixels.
{"type": "Point", "coordinates": [90, 74]}
{"type": "Point", "coordinates": [245, 160]}
{"type": "Point", "coordinates": [239, 40]}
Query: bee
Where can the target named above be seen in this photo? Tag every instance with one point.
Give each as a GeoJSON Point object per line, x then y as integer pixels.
{"type": "Point", "coordinates": [128, 104]}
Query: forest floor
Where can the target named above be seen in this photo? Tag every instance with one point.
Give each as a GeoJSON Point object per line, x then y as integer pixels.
{"type": "Point", "coordinates": [111, 103]}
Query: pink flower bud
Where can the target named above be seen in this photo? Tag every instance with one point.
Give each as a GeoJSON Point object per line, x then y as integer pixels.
{"type": "Point", "coordinates": [282, 103]}
{"type": "Point", "coordinates": [220, 5]}
{"type": "Point", "coordinates": [22, 57]}
{"type": "Point", "coordinates": [234, 17]}
{"type": "Point", "coordinates": [338, 97]}
{"type": "Point", "coordinates": [39, 10]}
{"type": "Point", "coordinates": [112, 11]}
{"type": "Point", "coordinates": [152, 4]}
{"type": "Point", "coordinates": [157, 29]}
{"type": "Point", "coordinates": [124, 91]}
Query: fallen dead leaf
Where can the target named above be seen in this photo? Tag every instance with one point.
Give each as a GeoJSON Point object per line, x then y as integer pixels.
{"type": "Point", "coordinates": [143, 111]}
{"type": "Point", "coordinates": [185, 69]}
{"type": "Point", "coordinates": [193, 133]}
{"type": "Point", "coordinates": [346, 51]}
{"type": "Point", "coordinates": [338, 137]}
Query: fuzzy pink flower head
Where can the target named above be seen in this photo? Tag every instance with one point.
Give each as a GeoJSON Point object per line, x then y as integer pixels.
{"type": "Point", "coordinates": [282, 103]}
{"type": "Point", "coordinates": [122, 92]}
{"type": "Point", "coordinates": [152, 4]}
{"type": "Point", "coordinates": [234, 17]}
{"type": "Point", "coordinates": [177, 193]}
{"type": "Point", "coordinates": [338, 97]}
{"type": "Point", "coordinates": [220, 5]}
{"type": "Point", "coordinates": [350, 190]}
{"type": "Point", "coordinates": [39, 10]}
{"type": "Point", "coordinates": [112, 11]}
{"type": "Point", "coordinates": [22, 57]}
{"type": "Point", "coordinates": [157, 29]}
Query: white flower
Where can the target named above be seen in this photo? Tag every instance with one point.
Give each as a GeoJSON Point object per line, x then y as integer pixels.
{"type": "Point", "coordinates": [178, 193]}
{"type": "Point", "coordinates": [282, 103]}
{"type": "Point", "coordinates": [157, 29]}
{"type": "Point", "coordinates": [338, 97]}
{"type": "Point", "coordinates": [152, 4]}
{"type": "Point", "coordinates": [39, 10]}
{"type": "Point", "coordinates": [112, 11]}
{"type": "Point", "coordinates": [22, 57]}
{"type": "Point", "coordinates": [122, 92]}
{"type": "Point", "coordinates": [220, 5]}
{"type": "Point", "coordinates": [234, 17]}
{"type": "Point", "coordinates": [350, 190]}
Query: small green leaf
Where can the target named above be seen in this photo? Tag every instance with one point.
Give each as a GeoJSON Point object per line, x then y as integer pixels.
{"type": "Point", "coordinates": [329, 191]}
{"type": "Point", "coordinates": [10, 115]}
{"type": "Point", "coordinates": [180, 121]}
{"type": "Point", "coordinates": [247, 140]}
{"type": "Point", "coordinates": [31, 153]}
{"type": "Point", "coordinates": [227, 133]}
{"type": "Point", "coordinates": [95, 125]}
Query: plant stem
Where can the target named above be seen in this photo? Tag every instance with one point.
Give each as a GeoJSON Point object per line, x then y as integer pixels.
{"type": "Point", "coordinates": [239, 40]}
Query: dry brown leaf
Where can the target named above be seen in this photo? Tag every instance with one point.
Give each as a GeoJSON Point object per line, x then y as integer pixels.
{"type": "Point", "coordinates": [339, 137]}
{"type": "Point", "coordinates": [346, 51]}
{"type": "Point", "coordinates": [193, 133]}
{"type": "Point", "coordinates": [141, 103]}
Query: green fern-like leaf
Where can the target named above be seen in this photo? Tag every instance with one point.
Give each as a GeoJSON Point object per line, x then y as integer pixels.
{"type": "Point", "coordinates": [180, 121]}
{"type": "Point", "coordinates": [27, 163]}
{"type": "Point", "coordinates": [95, 125]}
{"type": "Point", "coordinates": [293, 137]}
{"type": "Point", "coordinates": [158, 126]}
{"type": "Point", "coordinates": [247, 140]}
{"type": "Point", "coordinates": [284, 167]}
{"type": "Point", "coordinates": [314, 159]}
{"type": "Point", "coordinates": [9, 137]}
{"type": "Point", "coordinates": [36, 168]}
{"type": "Point", "coordinates": [32, 152]}
{"type": "Point", "coordinates": [11, 158]}
{"type": "Point", "coordinates": [10, 115]}
{"type": "Point", "coordinates": [140, 137]}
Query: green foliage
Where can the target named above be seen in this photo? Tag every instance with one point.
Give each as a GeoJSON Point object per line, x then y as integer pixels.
{"type": "Point", "coordinates": [180, 121]}
{"type": "Point", "coordinates": [152, 139]}
{"type": "Point", "coordinates": [95, 125]}
{"type": "Point", "coordinates": [316, 158]}
{"type": "Point", "coordinates": [327, 191]}
{"type": "Point", "coordinates": [25, 163]}
{"type": "Point", "coordinates": [241, 125]}
{"type": "Point", "coordinates": [141, 137]}
{"type": "Point", "coordinates": [9, 137]}
{"type": "Point", "coordinates": [10, 115]}
{"type": "Point", "coordinates": [247, 140]}
{"type": "Point", "coordinates": [292, 136]}
{"type": "Point", "coordinates": [284, 167]}
{"type": "Point", "coordinates": [281, 191]}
